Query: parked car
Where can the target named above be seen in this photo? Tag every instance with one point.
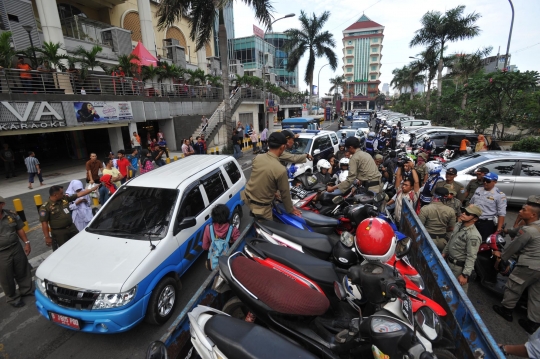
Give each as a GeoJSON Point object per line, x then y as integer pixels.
{"type": "Point", "coordinates": [352, 132]}
{"type": "Point", "coordinates": [126, 265]}
{"type": "Point", "coordinates": [519, 172]}
{"type": "Point", "coordinates": [412, 124]}
{"type": "Point", "coordinates": [319, 144]}
{"type": "Point", "coordinates": [440, 138]}
{"type": "Point", "coordinates": [360, 125]}
{"type": "Point", "coordinates": [417, 133]}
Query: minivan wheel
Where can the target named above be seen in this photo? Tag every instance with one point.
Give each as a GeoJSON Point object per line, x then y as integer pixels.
{"type": "Point", "coordinates": [162, 302]}
{"type": "Point", "coordinates": [236, 218]}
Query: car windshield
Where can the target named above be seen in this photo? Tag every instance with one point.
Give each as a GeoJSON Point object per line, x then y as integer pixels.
{"type": "Point", "coordinates": [136, 213]}
{"type": "Point", "coordinates": [301, 145]}
{"type": "Point", "coordinates": [349, 133]}
{"type": "Point", "coordinates": [462, 163]}
{"type": "Point", "coordinates": [360, 124]}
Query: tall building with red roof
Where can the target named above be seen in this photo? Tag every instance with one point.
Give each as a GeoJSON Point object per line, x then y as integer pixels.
{"type": "Point", "coordinates": [362, 53]}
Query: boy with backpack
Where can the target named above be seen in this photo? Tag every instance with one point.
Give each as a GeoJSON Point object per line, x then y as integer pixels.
{"type": "Point", "coordinates": [218, 235]}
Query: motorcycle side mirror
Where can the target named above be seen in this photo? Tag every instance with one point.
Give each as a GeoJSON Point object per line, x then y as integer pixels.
{"type": "Point", "coordinates": [316, 152]}
{"type": "Point", "coordinates": [340, 291]}
{"type": "Point", "coordinates": [403, 247]}
{"type": "Point", "coordinates": [379, 197]}
{"type": "Point", "coordinates": [157, 350]}
{"type": "Point", "coordinates": [428, 323]}
{"type": "Point", "coordinates": [337, 200]}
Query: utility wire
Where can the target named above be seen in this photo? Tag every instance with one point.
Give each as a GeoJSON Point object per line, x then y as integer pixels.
{"type": "Point", "coordinates": [355, 16]}
{"type": "Point", "coordinates": [525, 48]}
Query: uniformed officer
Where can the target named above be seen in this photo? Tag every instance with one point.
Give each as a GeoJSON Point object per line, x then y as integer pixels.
{"type": "Point", "coordinates": [452, 201]}
{"type": "Point", "coordinates": [421, 168]}
{"type": "Point", "coordinates": [361, 167]}
{"type": "Point", "coordinates": [289, 157]}
{"type": "Point", "coordinates": [394, 134]}
{"type": "Point", "coordinates": [462, 248]}
{"type": "Point", "coordinates": [267, 177]}
{"type": "Point", "coordinates": [14, 266]}
{"type": "Point", "coordinates": [450, 175]}
{"type": "Point", "coordinates": [438, 218]}
{"type": "Point", "coordinates": [492, 202]}
{"type": "Point", "coordinates": [473, 184]}
{"type": "Point", "coordinates": [55, 214]}
{"type": "Point", "coordinates": [526, 274]}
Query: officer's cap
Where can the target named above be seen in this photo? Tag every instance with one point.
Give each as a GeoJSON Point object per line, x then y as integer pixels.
{"type": "Point", "coordinates": [491, 176]}
{"type": "Point", "coordinates": [472, 209]}
{"type": "Point", "coordinates": [423, 155]}
{"type": "Point", "coordinates": [482, 170]}
{"type": "Point", "coordinates": [451, 171]}
{"type": "Point", "coordinates": [378, 157]}
{"type": "Point", "coordinates": [288, 134]}
{"type": "Point", "coordinates": [441, 192]}
{"type": "Point", "coordinates": [450, 189]}
{"type": "Point", "coordinates": [277, 138]}
{"type": "Point", "coordinates": [533, 200]}
{"type": "Point", "coordinates": [2, 200]}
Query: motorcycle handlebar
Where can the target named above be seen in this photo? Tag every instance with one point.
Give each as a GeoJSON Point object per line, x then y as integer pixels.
{"type": "Point", "coordinates": [398, 293]}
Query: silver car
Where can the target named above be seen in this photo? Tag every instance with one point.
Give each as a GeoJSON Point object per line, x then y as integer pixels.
{"type": "Point", "coordinates": [519, 172]}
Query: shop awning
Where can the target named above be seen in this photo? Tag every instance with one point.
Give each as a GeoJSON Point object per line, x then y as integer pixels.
{"type": "Point", "coordinates": [145, 57]}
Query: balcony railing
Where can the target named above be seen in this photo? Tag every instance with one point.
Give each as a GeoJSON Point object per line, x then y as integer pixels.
{"type": "Point", "coordinates": [257, 94]}
{"type": "Point", "coordinates": [35, 82]}
{"type": "Point", "coordinates": [84, 29]}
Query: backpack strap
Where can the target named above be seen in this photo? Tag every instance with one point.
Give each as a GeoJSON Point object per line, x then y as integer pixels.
{"type": "Point", "coordinates": [212, 233]}
{"type": "Point", "coordinates": [229, 232]}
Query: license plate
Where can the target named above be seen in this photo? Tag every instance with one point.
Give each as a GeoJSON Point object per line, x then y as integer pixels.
{"type": "Point", "coordinates": [65, 320]}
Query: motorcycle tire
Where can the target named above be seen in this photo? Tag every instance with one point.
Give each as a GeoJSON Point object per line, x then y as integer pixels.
{"type": "Point", "coordinates": [443, 354]}
{"type": "Point", "coordinates": [235, 308]}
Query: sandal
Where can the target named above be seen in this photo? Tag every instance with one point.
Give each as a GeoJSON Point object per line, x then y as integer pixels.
{"type": "Point", "coordinates": [29, 187]}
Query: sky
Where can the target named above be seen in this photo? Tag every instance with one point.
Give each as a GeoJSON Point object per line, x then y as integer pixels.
{"type": "Point", "coordinates": [401, 18]}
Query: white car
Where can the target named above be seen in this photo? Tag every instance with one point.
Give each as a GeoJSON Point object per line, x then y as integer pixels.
{"type": "Point", "coordinates": [413, 124]}
{"type": "Point", "coordinates": [319, 144]}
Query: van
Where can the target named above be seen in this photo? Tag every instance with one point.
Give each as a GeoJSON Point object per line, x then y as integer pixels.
{"type": "Point", "coordinates": [126, 265]}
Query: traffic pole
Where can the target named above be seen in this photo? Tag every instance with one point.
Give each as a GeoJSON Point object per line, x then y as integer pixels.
{"type": "Point", "coordinates": [17, 203]}
{"type": "Point", "coordinates": [175, 158]}
{"type": "Point", "coordinates": [217, 150]}
{"type": "Point", "coordinates": [168, 160]}
{"type": "Point", "coordinates": [38, 201]}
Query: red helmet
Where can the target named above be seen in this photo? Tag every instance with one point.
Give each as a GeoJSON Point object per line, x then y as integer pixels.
{"type": "Point", "coordinates": [375, 240]}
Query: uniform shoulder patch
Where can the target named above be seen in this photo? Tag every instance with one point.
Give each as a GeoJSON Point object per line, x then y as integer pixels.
{"type": "Point", "coordinates": [42, 212]}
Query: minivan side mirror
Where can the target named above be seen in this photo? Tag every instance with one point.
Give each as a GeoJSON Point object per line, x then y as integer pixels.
{"type": "Point", "coordinates": [316, 152]}
{"type": "Point", "coordinates": [187, 222]}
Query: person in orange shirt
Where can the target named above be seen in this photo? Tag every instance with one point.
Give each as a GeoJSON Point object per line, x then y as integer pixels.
{"type": "Point", "coordinates": [463, 146]}
{"type": "Point", "coordinates": [25, 75]}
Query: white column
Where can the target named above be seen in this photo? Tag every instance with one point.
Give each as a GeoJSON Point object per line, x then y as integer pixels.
{"type": "Point", "coordinates": [201, 60]}
{"type": "Point", "coordinates": [50, 22]}
{"type": "Point", "coordinates": [286, 114]}
{"type": "Point", "coordinates": [132, 128]}
{"type": "Point", "coordinates": [147, 28]}
{"type": "Point", "coordinates": [367, 105]}
{"type": "Point", "coordinates": [115, 138]}
{"type": "Point", "coordinates": [167, 126]}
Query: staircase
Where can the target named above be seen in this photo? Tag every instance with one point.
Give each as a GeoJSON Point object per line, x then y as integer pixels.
{"type": "Point", "coordinates": [217, 120]}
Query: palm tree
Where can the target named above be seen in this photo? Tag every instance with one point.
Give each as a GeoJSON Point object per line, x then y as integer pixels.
{"type": "Point", "coordinates": [400, 78]}
{"type": "Point", "coordinates": [201, 15]}
{"type": "Point", "coordinates": [311, 39]}
{"type": "Point", "coordinates": [49, 52]}
{"type": "Point", "coordinates": [124, 61]}
{"type": "Point", "coordinates": [380, 100]}
{"type": "Point", "coordinates": [439, 29]}
{"type": "Point", "coordinates": [413, 76]}
{"type": "Point", "coordinates": [429, 63]}
{"type": "Point", "coordinates": [196, 77]}
{"type": "Point", "coordinates": [88, 59]}
{"type": "Point", "coordinates": [6, 51]}
{"type": "Point", "coordinates": [214, 80]}
{"type": "Point", "coordinates": [337, 84]}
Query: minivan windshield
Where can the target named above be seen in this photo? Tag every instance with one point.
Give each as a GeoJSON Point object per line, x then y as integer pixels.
{"type": "Point", "coordinates": [301, 145]}
{"type": "Point", "coordinates": [465, 162]}
{"type": "Point", "coordinates": [136, 213]}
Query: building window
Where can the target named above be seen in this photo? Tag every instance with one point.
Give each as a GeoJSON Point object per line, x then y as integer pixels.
{"type": "Point", "coordinates": [349, 52]}
{"type": "Point", "coordinates": [372, 86]}
{"type": "Point", "coordinates": [375, 40]}
{"type": "Point", "coordinates": [68, 11]}
{"type": "Point", "coordinates": [374, 49]}
{"type": "Point", "coordinates": [349, 42]}
{"type": "Point", "coordinates": [349, 70]}
{"type": "Point", "coordinates": [374, 58]}
{"type": "Point", "coordinates": [349, 78]}
{"type": "Point", "coordinates": [373, 77]}
{"type": "Point", "coordinates": [373, 67]}
{"type": "Point", "coordinates": [349, 61]}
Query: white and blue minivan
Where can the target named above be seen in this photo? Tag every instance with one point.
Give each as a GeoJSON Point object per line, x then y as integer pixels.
{"type": "Point", "coordinates": [126, 264]}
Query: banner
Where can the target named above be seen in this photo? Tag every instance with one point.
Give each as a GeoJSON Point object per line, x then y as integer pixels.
{"type": "Point", "coordinates": [99, 111]}
{"type": "Point", "coordinates": [257, 31]}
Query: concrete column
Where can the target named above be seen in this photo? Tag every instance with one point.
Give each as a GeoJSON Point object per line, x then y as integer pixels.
{"type": "Point", "coordinates": [167, 127]}
{"type": "Point", "coordinates": [132, 128]}
{"type": "Point", "coordinates": [286, 114]}
{"type": "Point", "coordinates": [115, 137]}
{"type": "Point", "coordinates": [50, 22]}
{"type": "Point", "coordinates": [201, 60]}
{"type": "Point", "coordinates": [367, 105]}
{"type": "Point", "coordinates": [147, 28]}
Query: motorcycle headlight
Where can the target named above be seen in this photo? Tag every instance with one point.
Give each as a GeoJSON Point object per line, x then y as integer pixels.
{"type": "Point", "coordinates": [114, 300]}
{"type": "Point", "coordinates": [347, 239]}
{"type": "Point", "coordinates": [40, 284]}
{"type": "Point", "coordinates": [428, 323]}
{"type": "Point", "coordinates": [417, 280]}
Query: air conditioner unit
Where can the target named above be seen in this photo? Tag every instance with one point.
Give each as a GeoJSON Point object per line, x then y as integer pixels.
{"type": "Point", "coordinates": [119, 39]}
{"type": "Point", "coordinates": [170, 42]}
{"type": "Point", "coordinates": [177, 54]}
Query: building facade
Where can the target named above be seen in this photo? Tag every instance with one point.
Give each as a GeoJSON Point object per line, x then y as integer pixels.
{"type": "Point", "coordinates": [362, 53]}
{"type": "Point", "coordinates": [284, 78]}
{"type": "Point", "coordinates": [256, 55]}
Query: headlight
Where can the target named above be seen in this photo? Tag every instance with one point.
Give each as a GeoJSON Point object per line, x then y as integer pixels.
{"type": "Point", "coordinates": [417, 280]}
{"type": "Point", "coordinates": [41, 286]}
{"type": "Point", "coordinates": [114, 300]}
{"type": "Point", "coordinates": [347, 239]}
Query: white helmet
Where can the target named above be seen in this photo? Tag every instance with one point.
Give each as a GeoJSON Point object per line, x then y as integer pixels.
{"type": "Point", "coordinates": [371, 135]}
{"type": "Point", "coordinates": [343, 176]}
{"type": "Point", "coordinates": [434, 167]}
{"type": "Point", "coordinates": [343, 161]}
{"type": "Point", "coordinates": [323, 164]}
{"type": "Point", "coordinates": [426, 137]}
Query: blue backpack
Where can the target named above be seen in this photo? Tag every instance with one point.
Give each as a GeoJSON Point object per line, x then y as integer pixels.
{"type": "Point", "coordinates": [218, 247]}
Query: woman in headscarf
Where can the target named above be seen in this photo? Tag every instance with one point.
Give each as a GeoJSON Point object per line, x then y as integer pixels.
{"type": "Point", "coordinates": [146, 162]}
{"type": "Point", "coordinates": [481, 145]}
{"type": "Point", "coordinates": [81, 212]}
{"type": "Point", "coordinates": [87, 113]}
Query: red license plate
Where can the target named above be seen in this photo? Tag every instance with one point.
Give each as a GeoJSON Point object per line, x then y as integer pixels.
{"type": "Point", "coordinates": [65, 320]}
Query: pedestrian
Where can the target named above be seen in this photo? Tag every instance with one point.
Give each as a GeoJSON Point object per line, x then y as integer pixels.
{"type": "Point", "coordinates": [452, 201]}
{"type": "Point", "coordinates": [55, 214]}
{"type": "Point", "coordinates": [405, 169]}
{"type": "Point", "coordinates": [428, 146]}
{"type": "Point", "coordinates": [157, 157]}
{"type": "Point", "coordinates": [526, 274]}
{"type": "Point", "coordinates": [463, 146]}
{"type": "Point", "coordinates": [134, 163]}
{"type": "Point", "coordinates": [116, 176]}
{"type": "Point", "coordinates": [437, 218]}
{"type": "Point", "coordinates": [409, 192]}
{"type": "Point", "coordinates": [254, 137]}
{"type": "Point", "coordinates": [393, 135]}
{"type": "Point", "coordinates": [450, 175]}
{"type": "Point", "coordinates": [112, 177]}
{"type": "Point", "coordinates": [462, 248]}
{"type": "Point", "coordinates": [136, 141]}
{"type": "Point", "coordinates": [267, 177]}
{"type": "Point", "coordinates": [81, 210]}
{"type": "Point", "coordinates": [8, 156]}
{"type": "Point", "coordinates": [25, 75]}
{"type": "Point", "coordinates": [240, 129]}
{"type": "Point", "coordinates": [421, 168]}
{"type": "Point", "coordinates": [160, 135]}
{"type": "Point", "coordinates": [203, 141]}
{"type": "Point", "coordinates": [204, 123]}
{"type": "Point", "coordinates": [14, 266]}
{"type": "Point", "coordinates": [481, 145]}
{"type": "Point", "coordinates": [341, 152]}
{"type": "Point", "coordinates": [162, 143]}
{"type": "Point", "coordinates": [187, 148]}
{"type": "Point", "coordinates": [361, 168]}
{"type": "Point", "coordinates": [119, 72]}
{"type": "Point", "coordinates": [492, 202]}
{"type": "Point", "coordinates": [433, 170]}
{"type": "Point", "coordinates": [198, 147]}
{"type": "Point", "coordinates": [113, 159]}
{"type": "Point", "coordinates": [381, 142]}
{"type": "Point", "coordinates": [146, 162]}
{"type": "Point", "coordinates": [107, 189]}
{"type": "Point", "coordinates": [93, 167]}
{"type": "Point", "coordinates": [122, 164]}
{"type": "Point", "coordinates": [33, 167]}
{"type": "Point", "coordinates": [531, 348]}
{"type": "Point", "coordinates": [473, 184]}
{"type": "Point", "coordinates": [236, 141]}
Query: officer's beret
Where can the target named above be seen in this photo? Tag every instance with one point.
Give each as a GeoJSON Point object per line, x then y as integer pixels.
{"type": "Point", "coordinates": [472, 209]}
{"type": "Point", "coordinates": [450, 189]}
{"type": "Point", "coordinates": [451, 171]}
{"type": "Point", "coordinates": [533, 200]}
{"type": "Point", "coordinates": [277, 138]}
{"type": "Point", "coordinates": [441, 192]}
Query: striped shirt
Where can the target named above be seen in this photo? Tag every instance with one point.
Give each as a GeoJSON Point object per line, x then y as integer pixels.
{"type": "Point", "coordinates": [31, 163]}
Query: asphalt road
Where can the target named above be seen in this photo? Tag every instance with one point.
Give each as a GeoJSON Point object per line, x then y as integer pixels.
{"type": "Point", "coordinates": [24, 333]}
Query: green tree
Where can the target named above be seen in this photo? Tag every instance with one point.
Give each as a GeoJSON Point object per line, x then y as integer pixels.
{"type": "Point", "coordinates": [215, 81]}
{"type": "Point", "coordinates": [337, 85]}
{"type": "Point", "coordinates": [50, 52]}
{"type": "Point", "coordinates": [149, 72]}
{"type": "Point", "coordinates": [310, 39]}
{"type": "Point", "coordinates": [6, 51]}
{"type": "Point", "coordinates": [429, 62]}
{"type": "Point", "coordinates": [439, 29]}
{"type": "Point", "coordinates": [124, 61]}
{"type": "Point", "coordinates": [89, 58]}
{"type": "Point", "coordinates": [380, 100]}
{"type": "Point", "coordinates": [196, 77]}
{"type": "Point", "coordinates": [169, 71]}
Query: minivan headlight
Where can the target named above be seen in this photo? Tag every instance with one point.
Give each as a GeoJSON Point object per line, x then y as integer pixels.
{"type": "Point", "coordinates": [40, 284]}
{"type": "Point", "coordinates": [114, 300]}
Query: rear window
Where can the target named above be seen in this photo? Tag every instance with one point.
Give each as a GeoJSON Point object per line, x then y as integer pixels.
{"type": "Point", "coordinates": [214, 185]}
{"type": "Point", "coordinates": [465, 162]}
{"type": "Point", "coordinates": [232, 170]}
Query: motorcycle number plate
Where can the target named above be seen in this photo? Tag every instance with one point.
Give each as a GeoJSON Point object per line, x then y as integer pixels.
{"type": "Point", "coordinates": [407, 309]}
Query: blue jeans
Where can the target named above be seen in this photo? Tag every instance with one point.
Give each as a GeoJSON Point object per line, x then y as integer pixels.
{"type": "Point", "coordinates": [103, 194]}
{"type": "Point", "coordinates": [237, 151]}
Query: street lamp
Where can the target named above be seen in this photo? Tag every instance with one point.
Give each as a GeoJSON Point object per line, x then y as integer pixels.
{"type": "Point", "coordinates": [318, 82]}
{"type": "Point", "coordinates": [28, 29]}
{"type": "Point", "coordinates": [509, 35]}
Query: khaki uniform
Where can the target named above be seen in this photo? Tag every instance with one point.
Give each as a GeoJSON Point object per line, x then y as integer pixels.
{"type": "Point", "coordinates": [267, 177]}
{"type": "Point", "coordinates": [462, 249]}
{"type": "Point", "coordinates": [437, 218]}
{"type": "Point", "coordinates": [363, 168]}
{"type": "Point", "coordinates": [526, 274]}
{"type": "Point", "coordinates": [421, 170]}
{"type": "Point", "coordinates": [289, 157]}
{"type": "Point", "coordinates": [59, 218]}
{"type": "Point", "coordinates": [455, 204]}
{"type": "Point", "coordinates": [14, 266]}
{"type": "Point", "coordinates": [456, 186]}
{"type": "Point", "coordinates": [471, 188]}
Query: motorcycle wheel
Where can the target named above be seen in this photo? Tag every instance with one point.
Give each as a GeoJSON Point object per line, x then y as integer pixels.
{"type": "Point", "coordinates": [235, 308]}
{"type": "Point", "coordinates": [443, 354]}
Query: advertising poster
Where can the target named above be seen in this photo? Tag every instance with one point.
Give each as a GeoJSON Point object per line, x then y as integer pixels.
{"type": "Point", "coordinates": [99, 111]}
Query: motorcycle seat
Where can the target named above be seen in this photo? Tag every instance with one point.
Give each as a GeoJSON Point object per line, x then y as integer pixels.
{"type": "Point", "coordinates": [318, 220]}
{"type": "Point", "coordinates": [317, 269]}
{"type": "Point", "coordinates": [316, 241]}
{"type": "Point", "coordinates": [242, 340]}
{"type": "Point", "coordinates": [277, 291]}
